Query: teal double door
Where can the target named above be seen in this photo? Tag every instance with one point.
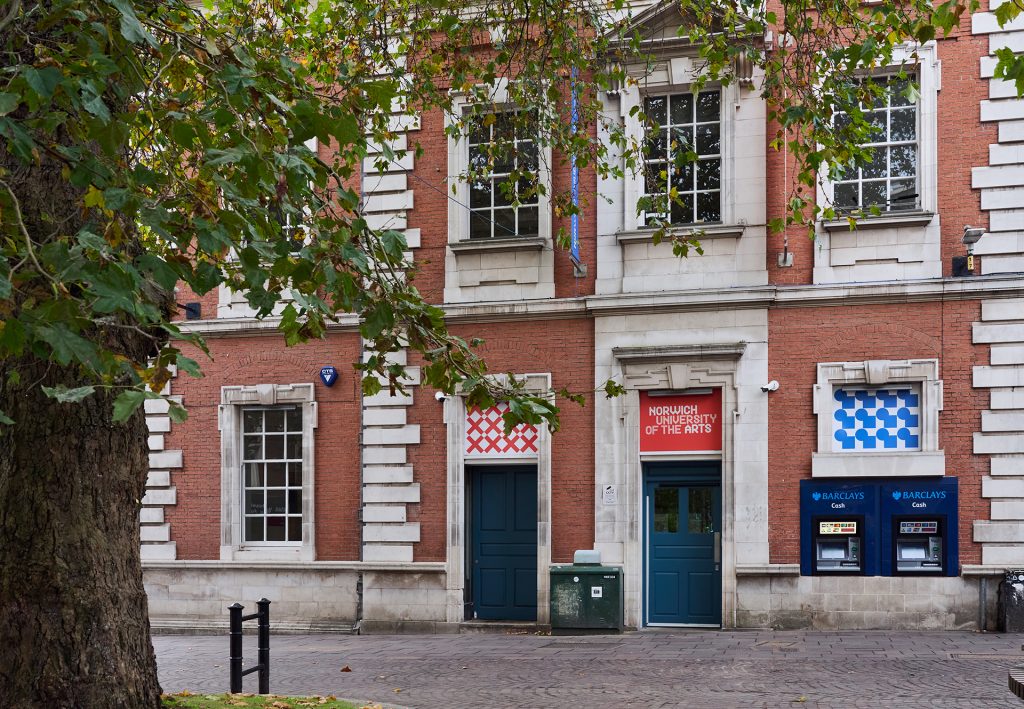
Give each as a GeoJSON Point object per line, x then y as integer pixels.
{"type": "Point", "coordinates": [683, 544]}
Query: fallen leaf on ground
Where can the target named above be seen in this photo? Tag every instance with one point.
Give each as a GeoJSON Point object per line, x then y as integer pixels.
{"type": "Point", "coordinates": [346, 668]}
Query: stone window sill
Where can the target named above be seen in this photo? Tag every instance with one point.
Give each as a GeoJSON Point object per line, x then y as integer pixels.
{"type": "Point", "coordinates": [498, 245]}
{"type": "Point", "coordinates": [709, 231]}
{"type": "Point", "coordinates": [882, 221]}
{"type": "Point", "coordinates": [878, 465]}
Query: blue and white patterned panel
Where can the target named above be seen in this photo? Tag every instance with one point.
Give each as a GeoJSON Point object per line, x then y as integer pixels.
{"type": "Point", "coordinates": [876, 419]}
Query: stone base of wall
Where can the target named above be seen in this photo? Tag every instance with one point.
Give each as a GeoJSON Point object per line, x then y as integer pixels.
{"type": "Point", "coordinates": [190, 597]}
{"type": "Point", "coordinates": [864, 603]}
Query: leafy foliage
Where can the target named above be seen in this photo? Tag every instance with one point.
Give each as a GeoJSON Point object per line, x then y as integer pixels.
{"type": "Point", "coordinates": [179, 141]}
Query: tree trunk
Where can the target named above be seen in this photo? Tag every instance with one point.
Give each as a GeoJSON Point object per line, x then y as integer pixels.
{"type": "Point", "coordinates": [74, 626]}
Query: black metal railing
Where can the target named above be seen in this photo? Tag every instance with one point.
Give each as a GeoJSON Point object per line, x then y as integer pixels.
{"type": "Point", "coordinates": [262, 617]}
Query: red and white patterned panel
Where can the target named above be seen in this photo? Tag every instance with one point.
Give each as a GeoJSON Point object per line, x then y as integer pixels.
{"type": "Point", "coordinates": [485, 435]}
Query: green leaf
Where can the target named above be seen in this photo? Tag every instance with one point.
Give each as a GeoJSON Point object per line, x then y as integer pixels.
{"type": "Point", "coordinates": [5, 419]}
{"type": "Point", "coordinates": [97, 107]}
{"type": "Point", "coordinates": [8, 102]}
{"type": "Point", "coordinates": [67, 345]}
{"type": "Point", "coordinates": [126, 403]}
{"type": "Point", "coordinates": [176, 411]}
{"type": "Point", "coordinates": [131, 28]}
{"type": "Point", "coordinates": [43, 81]}
{"type": "Point", "coordinates": [65, 395]}
{"type": "Point", "coordinates": [189, 366]}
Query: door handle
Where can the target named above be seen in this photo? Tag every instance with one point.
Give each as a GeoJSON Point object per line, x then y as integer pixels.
{"type": "Point", "coordinates": [718, 547]}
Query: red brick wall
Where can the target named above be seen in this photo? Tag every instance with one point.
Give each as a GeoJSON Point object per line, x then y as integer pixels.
{"type": "Point", "coordinates": [195, 520]}
{"type": "Point", "coordinates": [800, 338]}
{"type": "Point", "coordinates": [565, 348]}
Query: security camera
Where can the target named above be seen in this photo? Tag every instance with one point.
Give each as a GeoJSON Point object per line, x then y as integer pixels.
{"type": "Point", "coordinates": [972, 234]}
{"type": "Point", "coordinates": [770, 386]}
{"type": "Point", "coordinates": [440, 396]}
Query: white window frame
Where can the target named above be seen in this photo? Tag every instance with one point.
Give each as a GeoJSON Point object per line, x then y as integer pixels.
{"type": "Point", "coordinates": [668, 95]}
{"type": "Point", "coordinates": [681, 75]}
{"type": "Point", "coordinates": [927, 69]}
{"type": "Point", "coordinates": [927, 460]}
{"type": "Point", "coordinates": [235, 399]}
{"type": "Point", "coordinates": [458, 165]}
{"type": "Point", "coordinates": [264, 461]}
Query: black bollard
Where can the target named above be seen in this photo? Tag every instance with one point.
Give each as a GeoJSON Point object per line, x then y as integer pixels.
{"type": "Point", "coordinates": [263, 643]}
{"type": "Point", "coordinates": [235, 647]}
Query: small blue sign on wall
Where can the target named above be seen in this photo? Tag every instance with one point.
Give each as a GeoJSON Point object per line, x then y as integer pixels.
{"type": "Point", "coordinates": [328, 375]}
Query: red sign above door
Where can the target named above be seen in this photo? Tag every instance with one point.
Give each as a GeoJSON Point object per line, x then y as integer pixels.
{"type": "Point", "coordinates": [681, 423]}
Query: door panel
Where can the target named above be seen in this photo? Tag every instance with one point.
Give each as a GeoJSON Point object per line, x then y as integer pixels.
{"type": "Point", "coordinates": [684, 580]}
{"type": "Point", "coordinates": [503, 553]}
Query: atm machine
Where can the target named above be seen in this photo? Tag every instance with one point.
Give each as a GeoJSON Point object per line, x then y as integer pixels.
{"type": "Point", "coordinates": [919, 527]}
{"type": "Point", "coordinates": [837, 545]}
{"type": "Point", "coordinates": [838, 528]}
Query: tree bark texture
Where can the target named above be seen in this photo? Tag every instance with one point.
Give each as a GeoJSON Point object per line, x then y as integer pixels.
{"type": "Point", "coordinates": [74, 624]}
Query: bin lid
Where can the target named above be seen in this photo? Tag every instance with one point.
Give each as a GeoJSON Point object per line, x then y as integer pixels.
{"type": "Point", "coordinates": [590, 557]}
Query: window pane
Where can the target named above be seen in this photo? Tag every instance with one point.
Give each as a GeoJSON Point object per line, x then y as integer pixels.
{"type": "Point", "coordinates": [682, 140]}
{"type": "Point", "coordinates": [874, 193]}
{"type": "Point", "coordinates": [252, 421]}
{"type": "Point", "coordinates": [877, 166]}
{"type": "Point", "coordinates": [479, 194]}
{"type": "Point", "coordinates": [903, 124]}
{"type": "Point", "coordinates": [275, 474]}
{"type": "Point", "coordinates": [295, 474]}
{"type": "Point", "coordinates": [478, 160]}
{"type": "Point", "coordinates": [700, 517]}
{"type": "Point", "coordinates": [682, 108]}
{"type": "Point", "coordinates": [275, 529]}
{"type": "Point", "coordinates": [479, 225]}
{"type": "Point", "coordinates": [528, 221]}
{"type": "Point", "coordinates": [254, 474]}
{"type": "Point", "coordinates": [274, 420]}
{"type": "Point", "coordinates": [903, 161]}
{"type": "Point", "coordinates": [846, 196]}
{"type": "Point", "coordinates": [682, 209]}
{"type": "Point", "coordinates": [682, 177]}
{"type": "Point", "coordinates": [295, 419]}
{"type": "Point", "coordinates": [504, 193]}
{"type": "Point", "coordinates": [274, 449]}
{"type": "Point", "coordinates": [707, 139]}
{"type": "Point", "coordinates": [504, 222]}
{"type": "Point", "coordinates": [478, 132]}
{"type": "Point", "coordinates": [708, 207]}
{"type": "Point", "coordinates": [655, 178]}
{"type": "Point", "coordinates": [526, 159]}
{"type": "Point", "coordinates": [656, 145]}
{"type": "Point", "coordinates": [294, 502]}
{"type": "Point", "coordinates": [294, 447]}
{"type": "Point", "coordinates": [252, 448]}
{"type": "Point", "coordinates": [876, 126]}
{"type": "Point", "coordinates": [295, 529]}
{"type": "Point", "coordinates": [254, 529]}
{"type": "Point", "coordinates": [709, 174]}
{"type": "Point", "coordinates": [254, 502]}
{"type": "Point", "coordinates": [275, 501]}
{"type": "Point", "coordinates": [708, 106]}
{"type": "Point", "coordinates": [654, 107]}
{"type": "Point", "coordinates": [666, 509]}
{"type": "Point", "coordinates": [898, 93]}
{"type": "Point", "coordinates": [903, 194]}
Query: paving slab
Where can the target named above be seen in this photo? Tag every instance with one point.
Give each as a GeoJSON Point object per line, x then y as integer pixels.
{"type": "Point", "coordinates": [714, 669]}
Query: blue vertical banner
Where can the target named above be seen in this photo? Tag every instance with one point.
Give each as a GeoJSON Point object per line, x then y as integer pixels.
{"type": "Point", "coordinates": [574, 222]}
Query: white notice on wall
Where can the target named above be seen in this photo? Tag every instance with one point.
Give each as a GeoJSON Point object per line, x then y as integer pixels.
{"type": "Point", "coordinates": [611, 495]}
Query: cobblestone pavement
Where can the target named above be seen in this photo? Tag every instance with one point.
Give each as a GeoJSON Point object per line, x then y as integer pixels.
{"type": "Point", "coordinates": [649, 669]}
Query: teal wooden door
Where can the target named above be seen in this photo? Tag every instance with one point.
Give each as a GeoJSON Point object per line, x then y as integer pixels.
{"type": "Point", "coordinates": [504, 543]}
{"type": "Point", "coordinates": [683, 580]}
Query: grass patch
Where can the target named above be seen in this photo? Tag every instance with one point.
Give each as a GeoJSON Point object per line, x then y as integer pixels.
{"type": "Point", "coordinates": [187, 700]}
